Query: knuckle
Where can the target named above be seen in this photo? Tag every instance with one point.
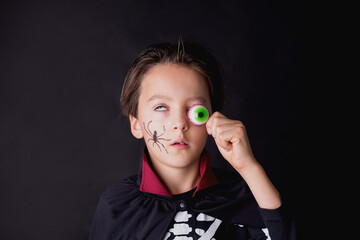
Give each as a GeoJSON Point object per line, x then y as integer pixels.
{"type": "Point", "coordinates": [240, 130]}
{"type": "Point", "coordinates": [215, 122]}
{"type": "Point", "coordinates": [221, 137]}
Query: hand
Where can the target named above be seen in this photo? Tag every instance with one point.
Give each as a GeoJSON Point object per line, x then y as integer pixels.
{"type": "Point", "coordinates": [231, 139]}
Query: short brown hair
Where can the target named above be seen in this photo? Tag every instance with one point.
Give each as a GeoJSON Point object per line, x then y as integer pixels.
{"type": "Point", "coordinates": [189, 54]}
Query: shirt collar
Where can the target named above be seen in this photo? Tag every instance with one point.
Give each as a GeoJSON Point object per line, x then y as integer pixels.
{"type": "Point", "coordinates": [151, 183]}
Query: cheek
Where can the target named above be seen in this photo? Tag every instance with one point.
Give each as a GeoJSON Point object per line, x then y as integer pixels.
{"type": "Point", "coordinates": [160, 118]}
{"type": "Point", "coordinates": [199, 134]}
{"type": "Point", "coordinates": [150, 125]}
{"type": "Point", "coordinates": [154, 119]}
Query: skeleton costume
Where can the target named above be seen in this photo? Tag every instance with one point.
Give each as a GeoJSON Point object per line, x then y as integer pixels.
{"type": "Point", "coordinates": [220, 207]}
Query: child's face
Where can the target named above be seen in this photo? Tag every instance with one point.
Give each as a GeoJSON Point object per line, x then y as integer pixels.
{"type": "Point", "coordinates": [167, 93]}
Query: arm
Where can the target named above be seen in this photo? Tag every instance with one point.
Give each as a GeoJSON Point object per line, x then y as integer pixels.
{"type": "Point", "coordinates": [231, 138]}
{"type": "Point", "coordinates": [261, 187]}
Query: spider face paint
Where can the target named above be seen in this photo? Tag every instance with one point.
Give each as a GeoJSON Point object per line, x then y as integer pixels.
{"type": "Point", "coordinates": [156, 137]}
{"type": "Point", "coordinates": [198, 114]}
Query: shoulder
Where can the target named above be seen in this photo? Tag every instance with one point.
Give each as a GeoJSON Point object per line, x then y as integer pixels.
{"type": "Point", "coordinates": [126, 185]}
{"type": "Point", "coordinates": [230, 183]}
{"type": "Point", "coordinates": [118, 193]}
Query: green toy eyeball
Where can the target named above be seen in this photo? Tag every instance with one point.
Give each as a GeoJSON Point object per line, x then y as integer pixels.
{"type": "Point", "coordinates": [198, 114]}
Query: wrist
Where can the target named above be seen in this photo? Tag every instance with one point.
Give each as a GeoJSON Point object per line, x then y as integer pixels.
{"type": "Point", "coordinates": [248, 166]}
{"type": "Point", "coordinates": [260, 185]}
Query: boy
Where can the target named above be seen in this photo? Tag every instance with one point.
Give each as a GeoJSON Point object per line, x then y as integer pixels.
{"type": "Point", "coordinates": [172, 95]}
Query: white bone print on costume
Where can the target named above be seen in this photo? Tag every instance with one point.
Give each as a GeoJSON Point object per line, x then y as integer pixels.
{"type": "Point", "coordinates": [199, 231]}
{"type": "Point", "coordinates": [185, 227]}
{"type": "Point", "coordinates": [211, 231]}
{"type": "Point", "coordinates": [180, 229]}
{"type": "Point", "coordinates": [266, 232]}
{"type": "Point", "coordinates": [182, 216]}
{"type": "Point", "coordinates": [183, 238]}
{"type": "Point", "coordinates": [167, 235]}
{"type": "Point", "coordinates": [203, 217]}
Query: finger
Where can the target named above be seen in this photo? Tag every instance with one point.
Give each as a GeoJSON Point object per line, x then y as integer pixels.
{"type": "Point", "coordinates": [215, 121]}
{"type": "Point", "coordinates": [210, 121]}
{"type": "Point", "coordinates": [222, 135]}
{"type": "Point", "coordinates": [221, 125]}
{"type": "Point", "coordinates": [229, 133]}
{"type": "Point", "coordinates": [222, 144]}
{"type": "Point", "coordinates": [231, 136]}
{"type": "Point", "coordinates": [226, 125]}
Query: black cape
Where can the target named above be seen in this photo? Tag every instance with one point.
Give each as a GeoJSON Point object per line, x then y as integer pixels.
{"type": "Point", "coordinates": [126, 212]}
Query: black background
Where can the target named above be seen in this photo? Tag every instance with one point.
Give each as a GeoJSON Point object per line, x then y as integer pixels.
{"type": "Point", "coordinates": [63, 139]}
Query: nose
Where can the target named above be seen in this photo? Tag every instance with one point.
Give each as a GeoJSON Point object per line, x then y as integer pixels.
{"type": "Point", "coordinates": [180, 126]}
{"type": "Point", "coordinates": [180, 122]}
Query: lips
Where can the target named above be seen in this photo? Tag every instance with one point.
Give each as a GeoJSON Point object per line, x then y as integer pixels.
{"type": "Point", "coordinates": [179, 141]}
{"type": "Point", "coordinates": [180, 144]}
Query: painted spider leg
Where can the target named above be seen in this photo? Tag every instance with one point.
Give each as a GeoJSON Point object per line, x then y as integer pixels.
{"type": "Point", "coordinates": [163, 132]}
{"type": "Point", "coordinates": [148, 131]}
{"type": "Point", "coordinates": [164, 139]}
{"type": "Point", "coordinates": [148, 128]}
{"type": "Point", "coordinates": [157, 145]}
{"type": "Point", "coordinates": [163, 147]}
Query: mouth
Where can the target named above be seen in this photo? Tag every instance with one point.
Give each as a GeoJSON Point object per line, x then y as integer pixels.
{"type": "Point", "coordinates": [180, 144]}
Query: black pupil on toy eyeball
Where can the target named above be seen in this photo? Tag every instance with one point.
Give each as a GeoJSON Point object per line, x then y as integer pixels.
{"type": "Point", "coordinates": [201, 114]}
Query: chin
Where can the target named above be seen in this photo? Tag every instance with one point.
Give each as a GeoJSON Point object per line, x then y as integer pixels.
{"type": "Point", "coordinates": [181, 159]}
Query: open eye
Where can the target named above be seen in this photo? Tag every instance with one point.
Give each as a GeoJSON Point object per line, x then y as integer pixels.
{"type": "Point", "coordinates": [160, 108]}
{"type": "Point", "coordinates": [198, 114]}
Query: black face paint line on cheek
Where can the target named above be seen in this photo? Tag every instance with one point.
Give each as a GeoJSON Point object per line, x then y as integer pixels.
{"type": "Point", "coordinates": [155, 137]}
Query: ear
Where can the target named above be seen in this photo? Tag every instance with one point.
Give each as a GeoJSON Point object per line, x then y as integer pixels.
{"type": "Point", "coordinates": [135, 127]}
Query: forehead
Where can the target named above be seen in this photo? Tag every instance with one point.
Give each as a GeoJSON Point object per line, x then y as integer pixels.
{"type": "Point", "coordinates": [175, 81]}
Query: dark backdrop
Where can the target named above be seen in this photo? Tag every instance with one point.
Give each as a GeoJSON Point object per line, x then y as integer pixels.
{"type": "Point", "coordinates": [63, 139]}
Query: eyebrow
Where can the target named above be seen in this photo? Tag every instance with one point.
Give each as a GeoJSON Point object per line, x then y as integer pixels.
{"type": "Point", "coordinates": [154, 97]}
{"type": "Point", "coordinates": [157, 96]}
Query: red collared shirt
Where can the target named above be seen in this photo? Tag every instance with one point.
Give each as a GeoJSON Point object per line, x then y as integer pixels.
{"type": "Point", "coordinates": [150, 182]}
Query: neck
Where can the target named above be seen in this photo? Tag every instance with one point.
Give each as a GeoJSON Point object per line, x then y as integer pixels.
{"type": "Point", "coordinates": [178, 180]}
